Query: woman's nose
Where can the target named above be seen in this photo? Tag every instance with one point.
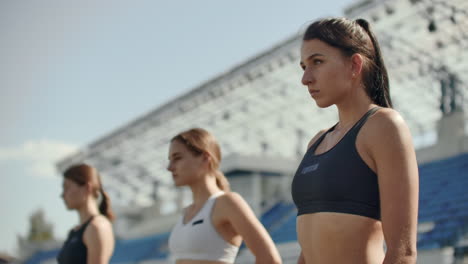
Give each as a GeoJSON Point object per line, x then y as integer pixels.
{"type": "Point", "coordinates": [307, 78]}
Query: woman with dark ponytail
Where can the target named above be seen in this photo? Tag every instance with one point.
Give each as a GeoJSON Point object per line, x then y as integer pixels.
{"type": "Point", "coordinates": [92, 241]}
{"type": "Point", "coordinates": [356, 188]}
{"type": "Point", "coordinates": [212, 228]}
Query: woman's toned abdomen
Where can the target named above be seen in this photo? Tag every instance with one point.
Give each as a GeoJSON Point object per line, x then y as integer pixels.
{"type": "Point", "coordinates": [330, 238]}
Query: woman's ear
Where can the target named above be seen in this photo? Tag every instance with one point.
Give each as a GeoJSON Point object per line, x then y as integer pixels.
{"type": "Point", "coordinates": [89, 188]}
{"type": "Point", "coordinates": [356, 64]}
{"type": "Point", "coordinates": [207, 157]}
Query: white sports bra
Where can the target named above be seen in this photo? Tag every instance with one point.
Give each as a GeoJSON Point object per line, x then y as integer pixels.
{"type": "Point", "coordinates": [199, 240]}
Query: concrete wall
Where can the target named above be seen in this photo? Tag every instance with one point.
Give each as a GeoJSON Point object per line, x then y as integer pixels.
{"type": "Point", "coordinates": [249, 187]}
{"type": "Point", "coordinates": [436, 256]}
{"type": "Point", "coordinates": [451, 139]}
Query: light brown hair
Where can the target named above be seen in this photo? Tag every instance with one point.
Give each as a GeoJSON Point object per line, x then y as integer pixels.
{"type": "Point", "coordinates": [199, 141]}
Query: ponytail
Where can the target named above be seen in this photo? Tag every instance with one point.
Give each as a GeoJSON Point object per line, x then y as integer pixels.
{"type": "Point", "coordinates": [105, 206]}
{"type": "Point", "coordinates": [376, 81]}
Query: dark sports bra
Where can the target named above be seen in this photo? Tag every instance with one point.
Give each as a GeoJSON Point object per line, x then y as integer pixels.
{"type": "Point", "coordinates": [74, 250]}
{"type": "Point", "coordinates": [337, 180]}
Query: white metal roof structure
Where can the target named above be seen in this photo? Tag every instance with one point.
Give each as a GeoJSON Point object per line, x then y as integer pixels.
{"type": "Point", "coordinates": [260, 107]}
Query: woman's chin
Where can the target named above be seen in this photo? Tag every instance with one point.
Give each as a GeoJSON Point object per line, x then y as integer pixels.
{"type": "Point", "coordinates": [70, 206]}
{"type": "Point", "coordinates": [322, 104]}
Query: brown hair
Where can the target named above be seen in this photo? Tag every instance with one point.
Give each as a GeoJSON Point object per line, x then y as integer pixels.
{"type": "Point", "coordinates": [353, 37]}
{"type": "Point", "coordinates": [82, 174]}
{"type": "Point", "coordinates": [199, 141]}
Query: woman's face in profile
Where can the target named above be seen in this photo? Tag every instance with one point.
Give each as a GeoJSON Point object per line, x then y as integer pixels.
{"type": "Point", "coordinates": [327, 72]}
{"type": "Point", "coordinates": [185, 166]}
{"type": "Point", "coordinates": [73, 194]}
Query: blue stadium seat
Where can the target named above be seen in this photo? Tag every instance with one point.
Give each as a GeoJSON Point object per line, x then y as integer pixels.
{"type": "Point", "coordinates": [140, 249]}
{"type": "Point", "coordinates": [443, 200]}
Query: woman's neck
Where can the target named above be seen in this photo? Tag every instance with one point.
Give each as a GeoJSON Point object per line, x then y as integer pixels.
{"type": "Point", "coordinates": [203, 189]}
{"type": "Point", "coordinates": [89, 209]}
{"type": "Point", "coordinates": [352, 109]}
{"type": "Point", "coordinates": [349, 117]}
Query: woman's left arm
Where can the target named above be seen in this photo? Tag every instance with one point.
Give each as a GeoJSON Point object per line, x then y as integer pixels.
{"type": "Point", "coordinates": [99, 241]}
{"type": "Point", "coordinates": [392, 151]}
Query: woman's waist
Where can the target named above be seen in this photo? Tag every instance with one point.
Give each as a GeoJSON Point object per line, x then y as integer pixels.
{"type": "Point", "coordinates": [340, 238]}
{"type": "Point", "coordinates": [339, 229]}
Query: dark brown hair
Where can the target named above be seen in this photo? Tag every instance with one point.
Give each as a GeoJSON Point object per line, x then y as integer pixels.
{"type": "Point", "coordinates": [199, 141]}
{"type": "Point", "coordinates": [353, 37]}
{"type": "Point", "coordinates": [82, 174]}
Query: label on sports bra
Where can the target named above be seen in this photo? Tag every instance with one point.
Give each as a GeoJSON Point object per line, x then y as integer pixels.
{"type": "Point", "coordinates": [197, 222]}
{"type": "Point", "coordinates": [310, 168]}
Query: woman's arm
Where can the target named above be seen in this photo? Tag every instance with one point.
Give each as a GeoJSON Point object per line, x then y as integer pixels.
{"type": "Point", "coordinates": [99, 241]}
{"type": "Point", "coordinates": [392, 151]}
{"type": "Point", "coordinates": [246, 224]}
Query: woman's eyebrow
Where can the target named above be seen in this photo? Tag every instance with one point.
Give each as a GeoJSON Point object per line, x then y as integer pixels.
{"type": "Point", "coordinates": [311, 57]}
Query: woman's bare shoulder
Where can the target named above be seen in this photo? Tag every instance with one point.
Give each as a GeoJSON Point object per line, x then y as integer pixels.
{"type": "Point", "coordinates": [385, 121]}
{"type": "Point", "coordinates": [99, 224]}
{"type": "Point", "coordinates": [386, 128]}
{"type": "Point", "coordinates": [316, 137]}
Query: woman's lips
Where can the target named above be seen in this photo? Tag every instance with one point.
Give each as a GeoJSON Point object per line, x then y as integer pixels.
{"type": "Point", "coordinates": [314, 92]}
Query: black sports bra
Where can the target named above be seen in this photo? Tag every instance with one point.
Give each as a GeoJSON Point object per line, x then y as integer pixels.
{"type": "Point", "coordinates": [337, 180]}
{"type": "Point", "coordinates": [74, 250]}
